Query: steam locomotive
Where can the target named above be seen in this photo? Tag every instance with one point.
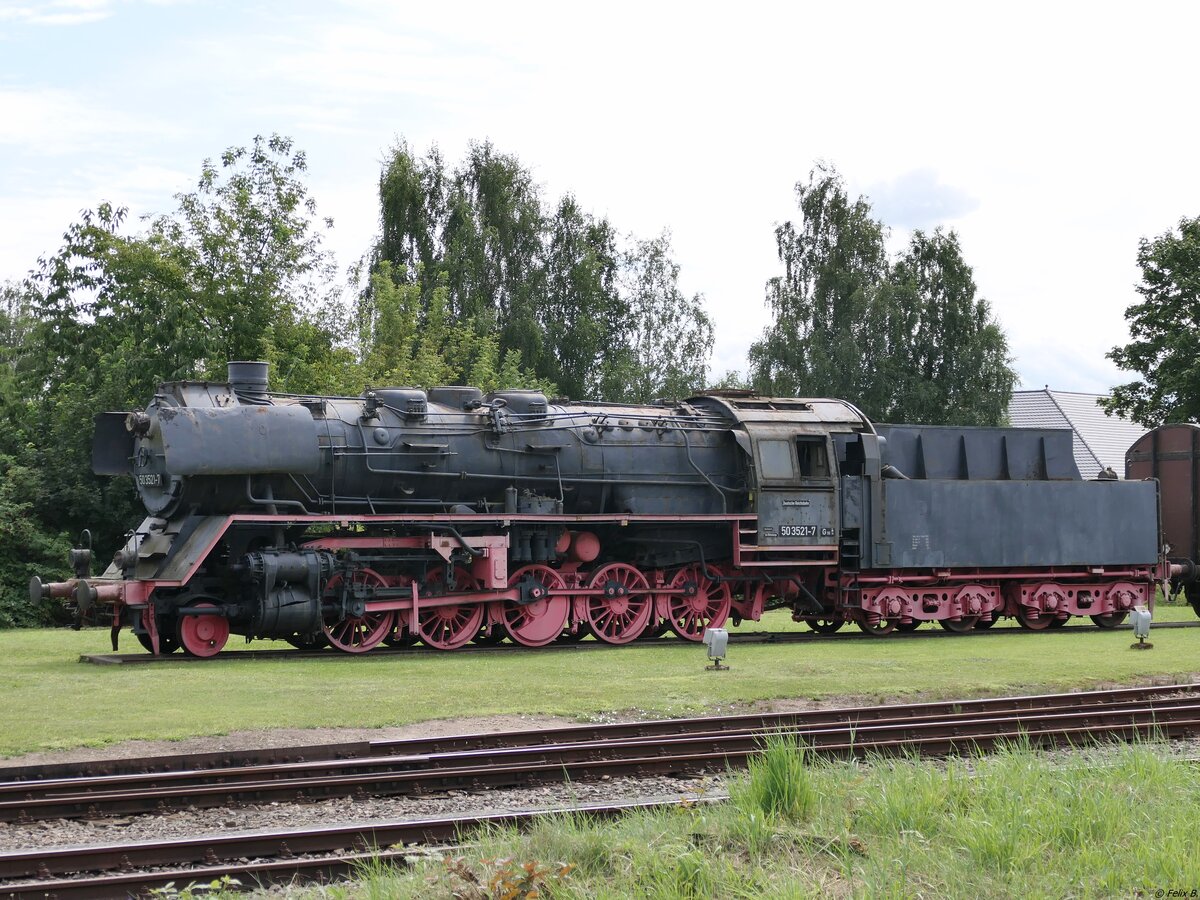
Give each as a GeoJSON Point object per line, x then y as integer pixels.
{"type": "Point", "coordinates": [450, 516]}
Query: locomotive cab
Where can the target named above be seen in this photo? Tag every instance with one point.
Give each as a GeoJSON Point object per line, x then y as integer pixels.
{"type": "Point", "coordinates": [797, 493]}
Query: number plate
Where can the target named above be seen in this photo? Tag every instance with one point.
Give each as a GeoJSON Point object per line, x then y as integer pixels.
{"type": "Point", "coordinates": [149, 479]}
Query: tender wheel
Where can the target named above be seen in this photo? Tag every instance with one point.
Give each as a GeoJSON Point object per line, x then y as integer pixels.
{"type": "Point", "coordinates": [449, 627]}
{"type": "Point", "coordinates": [540, 621]}
{"type": "Point", "coordinates": [826, 626]}
{"type": "Point", "coordinates": [707, 606]}
{"type": "Point", "coordinates": [622, 613]}
{"type": "Point", "coordinates": [911, 625]}
{"type": "Point", "coordinates": [985, 624]}
{"type": "Point", "coordinates": [962, 626]}
{"type": "Point", "coordinates": [357, 634]}
{"type": "Point", "coordinates": [205, 635]}
{"type": "Point", "coordinates": [1058, 623]}
{"type": "Point", "coordinates": [1041, 623]}
{"type": "Point", "coordinates": [1110, 620]}
{"type": "Point", "coordinates": [882, 627]}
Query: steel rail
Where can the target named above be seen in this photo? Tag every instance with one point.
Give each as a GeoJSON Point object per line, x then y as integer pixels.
{"type": "Point", "coordinates": [260, 855]}
{"type": "Point", "coordinates": [684, 756]}
{"type": "Point", "coordinates": [27, 778]}
{"type": "Point", "coordinates": [687, 752]}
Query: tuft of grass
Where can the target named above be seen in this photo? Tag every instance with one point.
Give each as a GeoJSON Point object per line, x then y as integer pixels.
{"type": "Point", "coordinates": [779, 785]}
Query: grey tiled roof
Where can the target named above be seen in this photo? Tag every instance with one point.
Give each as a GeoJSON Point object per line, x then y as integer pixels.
{"type": "Point", "coordinates": [1099, 440]}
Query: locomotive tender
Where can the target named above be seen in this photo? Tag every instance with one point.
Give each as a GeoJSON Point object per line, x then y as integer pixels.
{"type": "Point", "coordinates": [450, 516]}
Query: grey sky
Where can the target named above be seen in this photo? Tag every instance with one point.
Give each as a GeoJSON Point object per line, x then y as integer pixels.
{"type": "Point", "coordinates": [1051, 136]}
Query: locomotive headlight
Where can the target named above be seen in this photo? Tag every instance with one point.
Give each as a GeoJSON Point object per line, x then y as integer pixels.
{"type": "Point", "coordinates": [137, 423]}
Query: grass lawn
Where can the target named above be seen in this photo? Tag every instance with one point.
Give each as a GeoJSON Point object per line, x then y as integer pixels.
{"type": "Point", "coordinates": [1014, 824]}
{"type": "Point", "coordinates": [52, 701]}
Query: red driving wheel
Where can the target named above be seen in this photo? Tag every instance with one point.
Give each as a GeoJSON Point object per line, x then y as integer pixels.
{"type": "Point", "coordinates": [704, 604]}
{"type": "Point", "coordinates": [623, 611]}
{"type": "Point", "coordinates": [453, 626]}
{"type": "Point", "coordinates": [542, 619]}
{"type": "Point", "coordinates": [358, 634]}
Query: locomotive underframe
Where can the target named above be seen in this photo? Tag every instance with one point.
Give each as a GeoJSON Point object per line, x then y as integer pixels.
{"type": "Point", "coordinates": [447, 578]}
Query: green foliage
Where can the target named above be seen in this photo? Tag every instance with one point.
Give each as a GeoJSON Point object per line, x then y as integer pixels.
{"type": "Point", "coordinates": [403, 342]}
{"type": "Point", "coordinates": [1098, 823]}
{"type": "Point", "coordinates": [779, 785]}
{"type": "Point", "coordinates": [251, 245]}
{"type": "Point", "coordinates": [906, 340]}
{"type": "Point", "coordinates": [26, 547]}
{"type": "Point", "coordinates": [664, 346]}
{"type": "Point", "coordinates": [1165, 332]}
{"type": "Point", "coordinates": [585, 314]}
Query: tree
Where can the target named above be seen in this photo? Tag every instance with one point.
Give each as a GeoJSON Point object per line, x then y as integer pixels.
{"type": "Point", "coordinates": [260, 281]}
{"type": "Point", "coordinates": [904, 339]}
{"type": "Point", "coordinates": [665, 345]}
{"type": "Point", "coordinates": [557, 286]}
{"type": "Point", "coordinates": [238, 272]}
{"type": "Point", "coordinates": [582, 312]}
{"type": "Point", "coordinates": [402, 343]}
{"type": "Point", "coordinates": [476, 232]}
{"type": "Point", "coordinates": [1165, 332]}
{"type": "Point", "coordinates": [834, 263]}
{"type": "Point", "coordinates": [945, 350]}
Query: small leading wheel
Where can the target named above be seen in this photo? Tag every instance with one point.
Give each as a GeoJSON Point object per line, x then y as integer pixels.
{"type": "Point", "coordinates": [623, 611]}
{"type": "Point", "coordinates": [704, 604]}
{"type": "Point", "coordinates": [203, 635]}
{"type": "Point", "coordinates": [453, 626]}
{"type": "Point", "coordinates": [826, 626]}
{"type": "Point", "coordinates": [911, 625]}
{"type": "Point", "coordinates": [541, 619]}
{"type": "Point", "coordinates": [166, 643]}
{"type": "Point", "coordinates": [357, 634]}
{"type": "Point", "coordinates": [962, 626]}
{"type": "Point", "coordinates": [880, 628]}
{"type": "Point", "coordinates": [1041, 623]}
{"type": "Point", "coordinates": [1110, 620]}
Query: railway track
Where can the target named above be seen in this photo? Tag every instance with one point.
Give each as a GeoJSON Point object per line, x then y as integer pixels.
{"type": "Point", "coordinates": [753, 637]}
{"type": "Point", "coordinates": [478, 761]}
{"type": "Point", "coordinates": [311, 854]}
{"type": "Point", "coordinates": [518, 759]}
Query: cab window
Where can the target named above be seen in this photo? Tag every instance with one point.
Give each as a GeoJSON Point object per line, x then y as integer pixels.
{"type": "Point", "coordinates": [813, 457]}
{"type": "Point", "coordinates": [775, 459]}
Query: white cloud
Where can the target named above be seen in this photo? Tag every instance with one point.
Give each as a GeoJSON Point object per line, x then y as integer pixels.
{"type": "Point", "coordinates": [57, 12]}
